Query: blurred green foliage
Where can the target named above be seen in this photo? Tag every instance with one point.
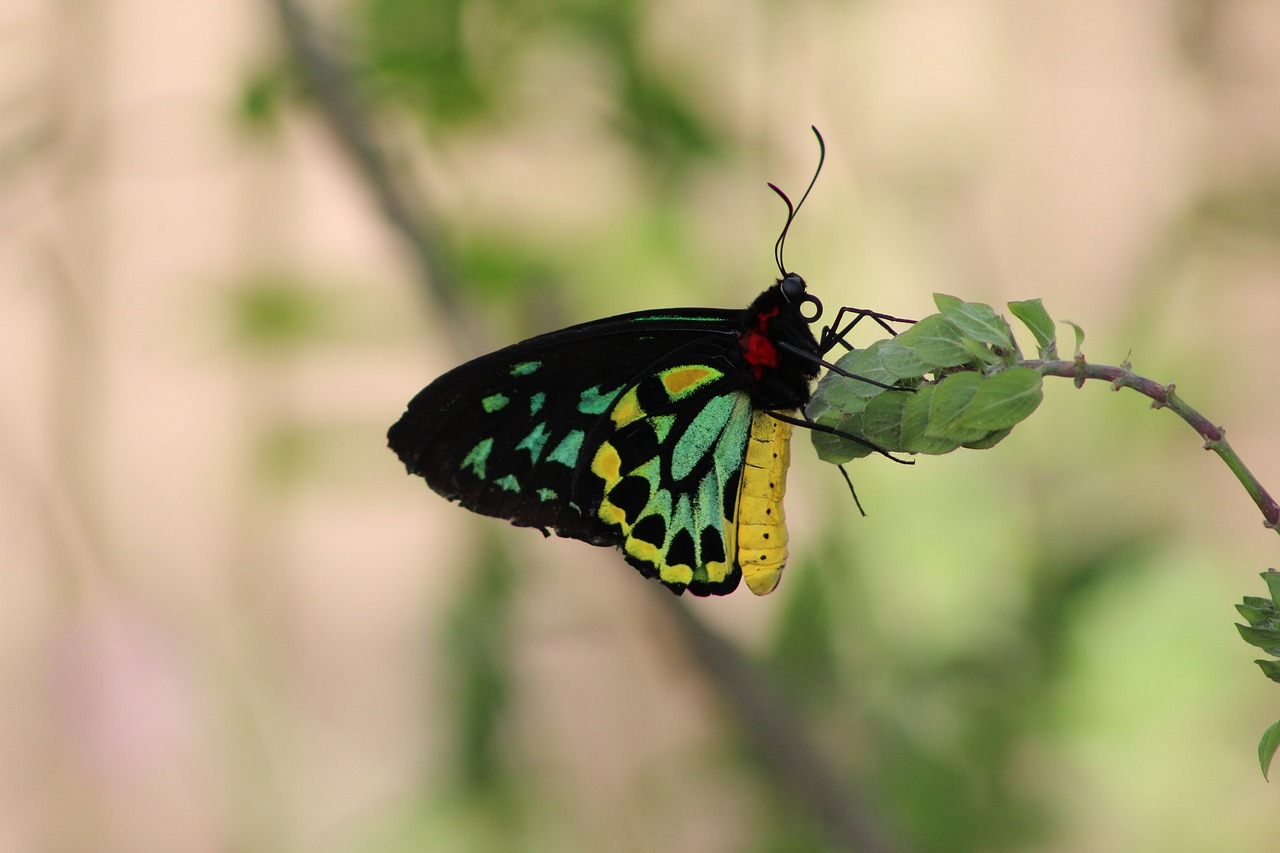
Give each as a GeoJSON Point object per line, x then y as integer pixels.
{"type": "Point", "coordinates": [940, 744]}
{"type": "Point", "coordinates": [458, 62]}
{"type": "Point", "coordinates": [278, 313]}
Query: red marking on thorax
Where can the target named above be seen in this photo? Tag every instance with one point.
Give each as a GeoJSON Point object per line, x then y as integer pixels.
{"type": "Point", "coordinates": [757, 349]}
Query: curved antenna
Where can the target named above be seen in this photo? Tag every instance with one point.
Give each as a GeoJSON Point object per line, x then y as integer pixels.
{"type": "Point", "coordinates": [792, 210]}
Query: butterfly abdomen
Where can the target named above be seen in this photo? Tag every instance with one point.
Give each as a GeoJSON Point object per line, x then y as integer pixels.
{"type": "Point", "coordinates": [761, 522]}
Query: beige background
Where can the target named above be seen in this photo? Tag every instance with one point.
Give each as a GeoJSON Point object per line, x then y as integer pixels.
{"type": "Point", "coordinates": [201, 650]}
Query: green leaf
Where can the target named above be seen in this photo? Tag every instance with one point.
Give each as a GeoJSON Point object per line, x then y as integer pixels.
{"type": "Point", "coordinates": [988, 441]}
{"type": "Point", "coordinates": [1270, 668]}
{"type": "Point", "coordinates": [1079, 338]}
{"type": "Point", "coordinates": [1267, 639]}
{"type": "Point", "coordinates": [915, 424]}
{"type": "Point", "coordinates": [980, 353]}
{"type": "Point", "coordinates": [833, 400]}
{"type": "Point", "coordinates": [1257, 611]}
{"type": "Point", "coordinates": [833, 448]}
{"type": "Point", "coordinates": [839, 396]}
{"type": "Point", "coordinates": [951, 397]}
{"type": "Point", "coordinates": [871, 364]}
{"type": "Point", "coordinates": [882, 421]}
{"type": "Point", "coordinates": [1267, 747]}
{"type": "Point", "coordinates": [1272, 577]}
{"type": "Point", "coordinates": [848, 394]}
{"type": "Point", "coordinates": [975, 320]}
{"type": "Point", "coordinates": [1003, 400]}
{"type": "Point", "coordinates": [901, 361]}
{"type": "Point", "coordinates": [935, 342]}
{"type": "Point", "coordinates": [1032, 314]}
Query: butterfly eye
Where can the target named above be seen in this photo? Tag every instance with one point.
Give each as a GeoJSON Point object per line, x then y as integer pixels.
{"type": "Point", "coordinates": [793, 287]}
{"type": "Point", "coordinates": [810, 299]}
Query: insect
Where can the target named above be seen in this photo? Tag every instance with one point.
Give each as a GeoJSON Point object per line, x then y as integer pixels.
{"type": "Point", "coordinates": [664, 433]}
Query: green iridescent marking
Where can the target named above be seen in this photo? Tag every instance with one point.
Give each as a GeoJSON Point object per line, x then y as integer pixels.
{"type": "Point", "coordinates": [728, 456]}
{"type": "Point", "coordinates": [535, 403]}
{"type": "Point", "coordinates": [668, 318]}
{"type": "Point", "coordinates": [662, 425]}
{"type": "Point", "coordinates": [660, 505]}
{"type": "Point", "coordinates": [707, 513]}
{"type": "Point", "coordinates": [476, 459]}
{"type": "Point", "coordinates": [495, 402]}
{"type": "Point", "coordinates": [508, 483]}
{"type": "Point", "coordinates": [534, 442]}
{"type": "Point", "coordinates": [566, 452]}
{"type": "Point", "coordinates": [651, 471]}
{"type": "Point", "coordinates": [524, 368]}
{"type": "Point", "coordinates": [595, 402]}
{"type": "Point", "coordinates": [730, 450]}
{"type": "Point", "coordinates": [701, 433]}
{"type": "Point", "coordinates": [547, 494]}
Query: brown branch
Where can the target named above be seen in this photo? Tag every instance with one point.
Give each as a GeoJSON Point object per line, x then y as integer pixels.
{"type": "Point", "coordinates": [1166, 397]}
{"type": "Point", "coordinates": [341, 107]}
{"type": "Point", "coordinates": [794, 761]}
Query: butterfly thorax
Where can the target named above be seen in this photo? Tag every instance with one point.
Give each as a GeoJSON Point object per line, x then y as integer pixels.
{"type": "Point", "coordinates": [779, 379]}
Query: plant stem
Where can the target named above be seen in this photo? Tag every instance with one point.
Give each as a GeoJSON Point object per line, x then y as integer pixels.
{"type": "Point", "coordinates": [1166, 397]}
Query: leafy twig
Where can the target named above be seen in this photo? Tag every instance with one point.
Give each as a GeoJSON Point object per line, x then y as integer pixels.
{"type": "Point", "coordinates": [971, 385]}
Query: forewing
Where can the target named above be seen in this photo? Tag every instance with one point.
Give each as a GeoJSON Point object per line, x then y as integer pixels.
{"type": "Point", "coordinates": [506, 434]}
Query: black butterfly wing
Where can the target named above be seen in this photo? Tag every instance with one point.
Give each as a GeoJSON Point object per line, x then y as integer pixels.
{"type": "Point", "coordinates": [512, 434]}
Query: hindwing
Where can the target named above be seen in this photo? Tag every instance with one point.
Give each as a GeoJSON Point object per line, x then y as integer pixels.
{"type": "Point", "coordinates": [665, 473]}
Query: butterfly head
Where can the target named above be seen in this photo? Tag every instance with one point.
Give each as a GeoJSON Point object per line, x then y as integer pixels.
{"type": "Point", "coordinates": [793, 290]}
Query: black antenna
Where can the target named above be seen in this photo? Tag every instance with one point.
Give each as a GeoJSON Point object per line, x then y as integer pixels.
{"type": "Point", "coordinates": [792, 210]}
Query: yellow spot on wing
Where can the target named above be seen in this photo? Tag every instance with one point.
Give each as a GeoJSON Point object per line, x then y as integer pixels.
{"type": "Point", "coordinates": [762, 525]}
{"type": "Point", "coordinates": [643, 550]}
{"type": "Point", "coordinates": [607, 465]}
{"type": "Point", "coordinates": [627, 410]}
{"type": "Point", "coordinates": [676, 574]}
{"type": "Point", "coordinates": [679, 381]}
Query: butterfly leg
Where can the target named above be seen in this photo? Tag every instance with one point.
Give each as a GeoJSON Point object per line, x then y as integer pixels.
{"type": "Point", "coordinates": [807, 423]}
{"type": "Point", "coordinates": [848, 482]}
{"type": "Point", "coordinates": [840, 371]}
{"type": "Point", "coordinates": [830, 336]}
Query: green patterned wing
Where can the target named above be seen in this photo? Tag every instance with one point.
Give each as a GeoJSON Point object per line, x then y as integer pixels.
{"type": "Point", "coordinates": [530, 434]}
{"type": "Point", "coordinates": [665, 472]}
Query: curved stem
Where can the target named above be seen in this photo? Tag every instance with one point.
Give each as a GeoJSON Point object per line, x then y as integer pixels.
{"type": "Point", "coordinates": [341, 107]}
{"type": "Point", "coordinates": [1166, 397]}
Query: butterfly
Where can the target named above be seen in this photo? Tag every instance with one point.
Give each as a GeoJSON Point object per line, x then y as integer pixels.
{"type": "Point", "coordinates": [663, 433]}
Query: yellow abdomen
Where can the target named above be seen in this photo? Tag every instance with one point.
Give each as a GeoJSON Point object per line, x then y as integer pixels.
{"type": "Point", "coordinates": [762, 525]}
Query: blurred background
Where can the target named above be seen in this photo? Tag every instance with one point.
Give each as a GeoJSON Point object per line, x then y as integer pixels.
{"type": "Point", "coordinates": [236, 238]}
